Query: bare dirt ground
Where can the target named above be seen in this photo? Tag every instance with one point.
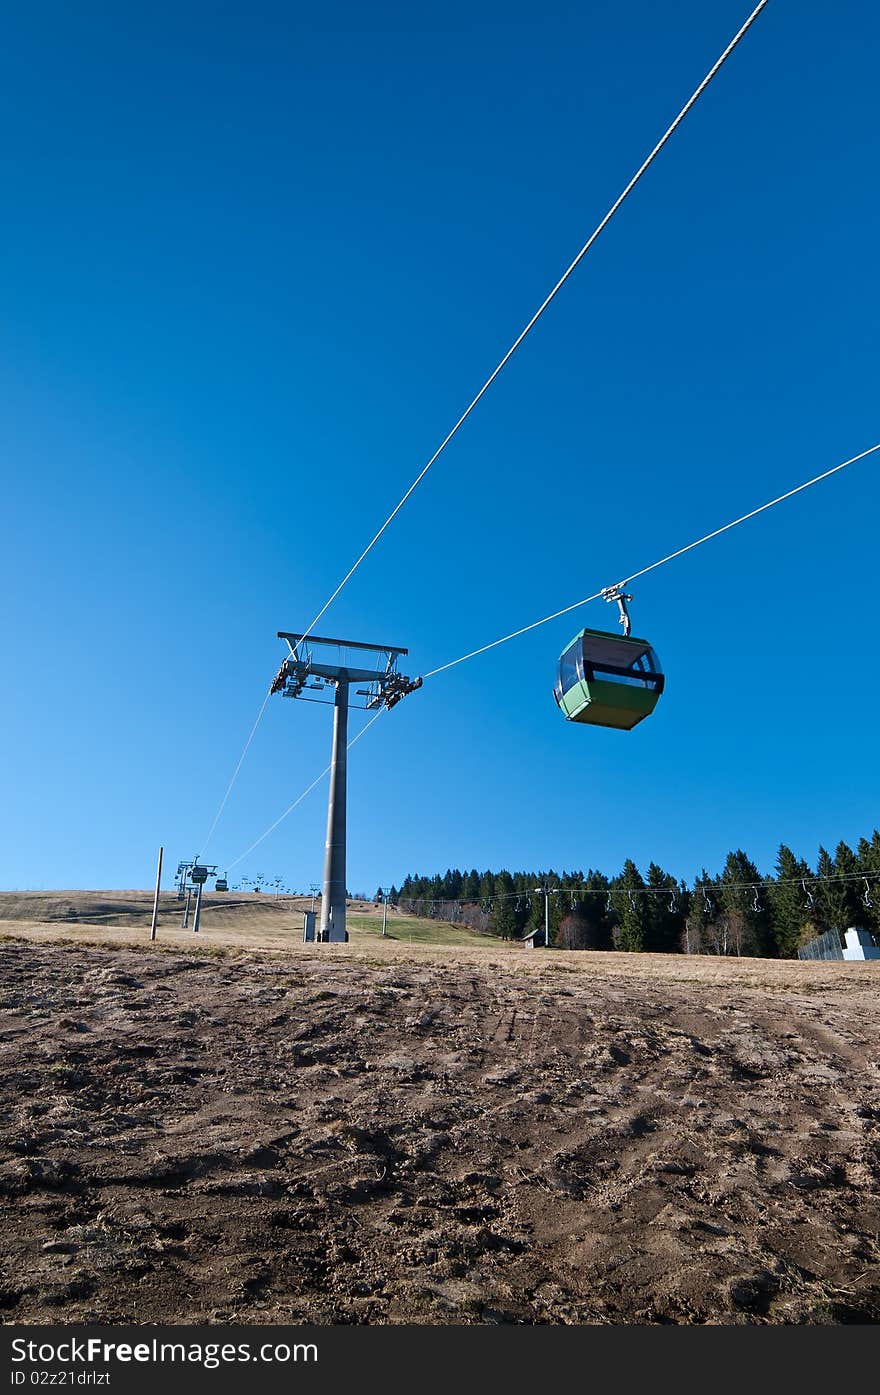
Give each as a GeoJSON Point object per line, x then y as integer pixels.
{"type": "Point", "coordinates": [385, 1132]}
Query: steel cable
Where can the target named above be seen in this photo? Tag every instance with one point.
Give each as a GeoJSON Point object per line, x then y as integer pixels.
{"type": "Point", "coordinates": [600, 227]}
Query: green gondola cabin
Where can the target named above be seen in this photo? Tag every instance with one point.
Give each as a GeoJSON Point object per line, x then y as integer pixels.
{"type": "Point", "coordinates": [608, 680]}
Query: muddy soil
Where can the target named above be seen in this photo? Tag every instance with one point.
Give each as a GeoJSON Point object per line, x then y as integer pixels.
{"type": "Point", "coordinates": [284, 1139]}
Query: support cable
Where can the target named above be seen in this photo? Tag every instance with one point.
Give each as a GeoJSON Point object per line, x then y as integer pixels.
{"type": "Point", "coordinates": [600, 227]}
{"type": "Point", "coordinates": [247, 746]}
{"type": "Point", "coordinates": [621, 198]}
{"type": "Point", "coordinates": [290, 808]}
{"type": "Point", "coordinates": [597, 595]}
{"type": "Point", "coordinates": [661, 562]}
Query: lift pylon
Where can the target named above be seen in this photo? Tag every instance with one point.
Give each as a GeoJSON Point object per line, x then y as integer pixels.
{"type": "Point", "coordinates": [317, 665]}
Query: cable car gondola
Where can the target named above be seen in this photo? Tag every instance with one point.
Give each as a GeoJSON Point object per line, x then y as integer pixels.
{"type": "Point", "coordinates": [221, 884]}
{"type": "Point", "coordinates": [606, 679]}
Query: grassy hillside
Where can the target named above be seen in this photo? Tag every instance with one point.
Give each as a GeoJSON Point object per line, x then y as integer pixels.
{"type": "Point", "coordinates": [413, 929]}
{"type": "Point", "coordinates": [248, 918]}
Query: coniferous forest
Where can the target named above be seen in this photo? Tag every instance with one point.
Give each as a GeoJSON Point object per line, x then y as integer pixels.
{"type": "Point", "coordinates": [738, 910]}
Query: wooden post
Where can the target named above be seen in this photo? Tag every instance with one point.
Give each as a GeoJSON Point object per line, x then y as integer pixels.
{"type": "Point", "coordinates": [156, 897]}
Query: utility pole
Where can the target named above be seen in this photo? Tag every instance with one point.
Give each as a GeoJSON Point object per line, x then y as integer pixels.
{"type": "Point", "coordinates": [156, 897]}
{"type": "Point", "coordinates": [545, 892]}
{"type": "Point", "coordinates": [307, 666]}
{"type": "Point", "coordinates": [385, 891]}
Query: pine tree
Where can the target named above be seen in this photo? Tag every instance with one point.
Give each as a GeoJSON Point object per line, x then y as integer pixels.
{"type": "Point", "coordinates": [470, 890]}
{"type": "Point", "coordinates": [868, 858]}
{"type": "Point", "coordinates": [502, 921]}
{"type": "Point", "coordinates": [599, 907]}
{"type": "Point", "coordinates": [666, 912]}
{"type": "Point", "coordinates": [452, 883]}
{"type": "Point", "coordinates": [504, 886]}
{"type": "Point", "coordinates": [745, 922]}
{"type": "Point", "coordinates": [849, 887]}
{"type": "Point", "coordinates": [699, 931]}
{"type": "Point", "coordinates": [581, 910]}
{"type": "Point", "coordinates": [794, 913]}
{"type": "Point", "coordinates": [734, 914]}
{"type": "Point", "coordinates": [830, 906]}
{"type": "Point", "coordinates": [633, 913]}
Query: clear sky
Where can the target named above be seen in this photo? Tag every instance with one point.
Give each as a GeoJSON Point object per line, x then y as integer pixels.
{"type": "Point", "coordinates": [255, 261]}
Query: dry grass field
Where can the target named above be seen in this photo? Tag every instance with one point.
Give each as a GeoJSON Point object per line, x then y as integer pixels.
{"type": "Point", "coordinates": [235, 1126]}
{"type": "Point", "coordinates": [241, 920]}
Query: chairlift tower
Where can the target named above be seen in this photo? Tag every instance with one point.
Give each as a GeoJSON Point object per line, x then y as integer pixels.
{"type": "Point", "coordinates": [385, 890]}
{"type": "Point", "coordinates": [191, 876]}
{"type": "Point", "coordinates": [318, 665]}
{"type": "Point", "coordinates": [199, 873]}
{"type": "Point", "coordinates": [184, 890]}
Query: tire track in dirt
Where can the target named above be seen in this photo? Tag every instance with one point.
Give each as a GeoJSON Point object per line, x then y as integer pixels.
{"type": "Point", "coordinates": [190, 1139]}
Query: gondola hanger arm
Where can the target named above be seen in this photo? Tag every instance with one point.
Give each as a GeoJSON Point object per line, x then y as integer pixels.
{"type": "Point", "coordinates": [617, 593]}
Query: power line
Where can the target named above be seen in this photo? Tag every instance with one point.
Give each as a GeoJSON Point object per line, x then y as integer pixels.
{"type": "Point", "coordinates": [600, 227]}
{"type": "Point", "coordinates": [546, 302]}
{"type": "Point", "coordinates": [707, 537]}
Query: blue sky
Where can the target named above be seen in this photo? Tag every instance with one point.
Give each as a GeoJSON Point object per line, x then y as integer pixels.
{"type": "Point", "coordinates": [257, 259]}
